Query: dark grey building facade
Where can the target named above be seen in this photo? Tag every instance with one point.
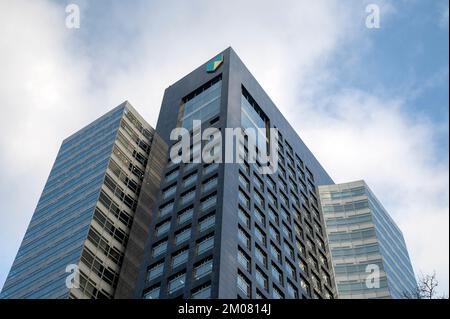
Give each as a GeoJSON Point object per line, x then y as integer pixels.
{"type": "Point", "coordinates": [226, 230]}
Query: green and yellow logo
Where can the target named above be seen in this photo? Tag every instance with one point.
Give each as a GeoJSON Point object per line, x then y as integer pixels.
{"type": "Point", "coordinates": [214, 63]}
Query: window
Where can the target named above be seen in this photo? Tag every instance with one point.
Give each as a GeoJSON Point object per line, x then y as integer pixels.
{"type": "Point", "coordinates": [259, 295]}
{"type": "Point", "coordinates": [182, 236]}
{"type": "Point", "coordinates": [204, 292]}
{"type": "Point", "coordinates": [159, 249]}
{"type": "Point", "coordinates": [276, 273]}
{"type": "Point", "coordinates": [202, 104]}
{"type": "Point", "coordinates": [258, 199]}
{"type": "Point", "coordinates": [326, 278]}
{"type": "Point", "coordinates": [155, 271]}
{"type": "Point", "coordinates": [259, 216]}
{"type": "Point", "coordinates": [190, 179]}
{"type": "Point", "coordinates": [210, 184]}
{"type": "Point", "coordinates": [328, 294]}
{"type": "Point", "coordinates": [321, 243]}
{"type": "Point", "coordinates": [292, 291]}
{"type": "Point", "coordinates": [169, 191]}
{"type": "Point", "coordinates": [261, 279]}
{"type": "Point", "coordinates": [172, 175]}
{"type": "Point", "coordinates": [166, 209]}
{"type": "Point", "coordinates": [260, 256]}
{"type": "Point", "coordinates": [315, 282]}
{"type": "Point", "coordinates": [243, 217]}
{"type": "Point", "coordinates": [284, 200]}
{"type": "Point", "coordinates": [258, 182]}
{"type": "Point", "coordinates": [309, 174]}
{"type": "Point", "coordinates": [260, 235]}
{"type": "Point", "coordinates": [295, 200]}
{"type": "Point", "coordinates": [300, 247]}
{"type": "Point", "coordinates": [180, 258]}
{"type": "Point", "coordinates": [210, 168]}
{"type": "Point", "coordinates": [274, 233]}
{"type": "Point", "coordinates": [271, 184]}
{"type": "Point", "coordinates": [305, 286]}
{"type": "Point", "coordinates": [244, 260]}
{"type": "Point", "coordinates": [176, 283]}
{"type": "Point", "coordinates": [318, 228]}
{"type": "Point", "coordinates": [252, 117]}
{"type": "Point", "coordinates": [244, 182]}
{"type": "Point", "coordinates": [298, 230]}
{"type": "Point", "coordinates": [323, 260]}
{"type": "Point", "coordinates": [313, 262]}
{"type": "Point", "coordinates": [277, 294]}
{"type": "Point", "coordinates": [288, 250]}
{"type": "Point", "coordinates": [245, 167]}
{"type": "Point", "coordinates": [205, 245]}
{"type": "Point", "coordinates": [244, 199]}
{"type": "Point", "coordinates": [290, 270]}
{"type": "Point", "coordinates": [313, 199]}
{"type": "Point", "coordinates": [243, 285]}
{"type": "Point", "coordinates": [244, 238]}
{"type": "Point", "coordinates": [203, 268]}
{"type": "Point", "coordinates": [153, 293]}
{"type": "Point", "coordinates": [273, 216]}
{"type": "Point", "coordinates": [285, 214]}
{"type": "Point", "coordinates": [302, 184]}
{"type": "Point", "coordinates": [207, 222]}
{"type": "Point", "coordinates": [302, 265]}
{"type": "Point", "coordinates": [208, 202]}
{"type": "Point", "coordinates": [272, 199]}
{"type": "Point", "coordinates": [163, 228]}
{"type": "Point", "coordinates": [309, 244]}
{"type": "Point", "coordinates": [189, 166]}
{"type": "Point", "coordinates": [286, 231]}
{"type": "Point", "coordinates": [188, 196]}
{"type": "Point", "coordinates": [185, 215]}
{"type": "Point", "coordinates": [275, 252]}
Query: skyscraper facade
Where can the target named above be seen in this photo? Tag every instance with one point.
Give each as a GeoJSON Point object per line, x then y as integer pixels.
{"type": "Point", "coordinates": [119, 217]}
{"type": "Point", "coordinates": [368, 250]}
{"type": "Point", "coordinates": [226, 230]}
{"type": "Point", "coordinates": [82, 221]}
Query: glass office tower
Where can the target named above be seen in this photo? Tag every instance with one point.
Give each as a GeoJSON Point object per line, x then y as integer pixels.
{"type": "Point", "coordinates": [368, 251]}
{"type": "Point", "coordinates": [83, 220]}
{"type": "Point", "coordinates": [228, 230]}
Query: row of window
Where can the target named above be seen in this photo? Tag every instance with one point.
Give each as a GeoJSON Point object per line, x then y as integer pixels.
{"type": "Point", "coordinates": [200, 270]}
{"type": "Point", "coordinates": [202, 292]}
{"type": "Point", "coordinates": [276, 231]}
{"type": "Point", "coordinates": [274, 222]}
{"type": "Point", "coordinates": [205, 244]}
{"type": "Point", "coordinates": [181, 235]}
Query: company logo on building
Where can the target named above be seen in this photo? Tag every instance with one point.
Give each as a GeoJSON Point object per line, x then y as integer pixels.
{"type": "Point", "coordinates": [214, 63]}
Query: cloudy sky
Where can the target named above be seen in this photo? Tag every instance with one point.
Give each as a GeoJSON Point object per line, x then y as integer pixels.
{"type": "Point", "coordinates": [370, 103]}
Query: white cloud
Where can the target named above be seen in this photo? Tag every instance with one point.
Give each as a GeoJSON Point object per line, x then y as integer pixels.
{"type": "Point", "coordinates": [43, 90]}
{"type": "Point", "coordinates": [360, 136]}
{"type": "Point", "coordinates": [53, 81]}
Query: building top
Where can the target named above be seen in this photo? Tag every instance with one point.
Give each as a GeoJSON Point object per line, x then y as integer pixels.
{"type": "Point", "coordinates": [235, 74]}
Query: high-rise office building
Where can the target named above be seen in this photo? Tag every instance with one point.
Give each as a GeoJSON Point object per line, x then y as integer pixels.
{"type": "Point", "coordinates": [226, 230]}
{"type": "Point", "coordinates": [82, 222]}
{"type": "Point", "coordinates": [118, 211]}
{"type": "Point", "coordinates": [368, 251]}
